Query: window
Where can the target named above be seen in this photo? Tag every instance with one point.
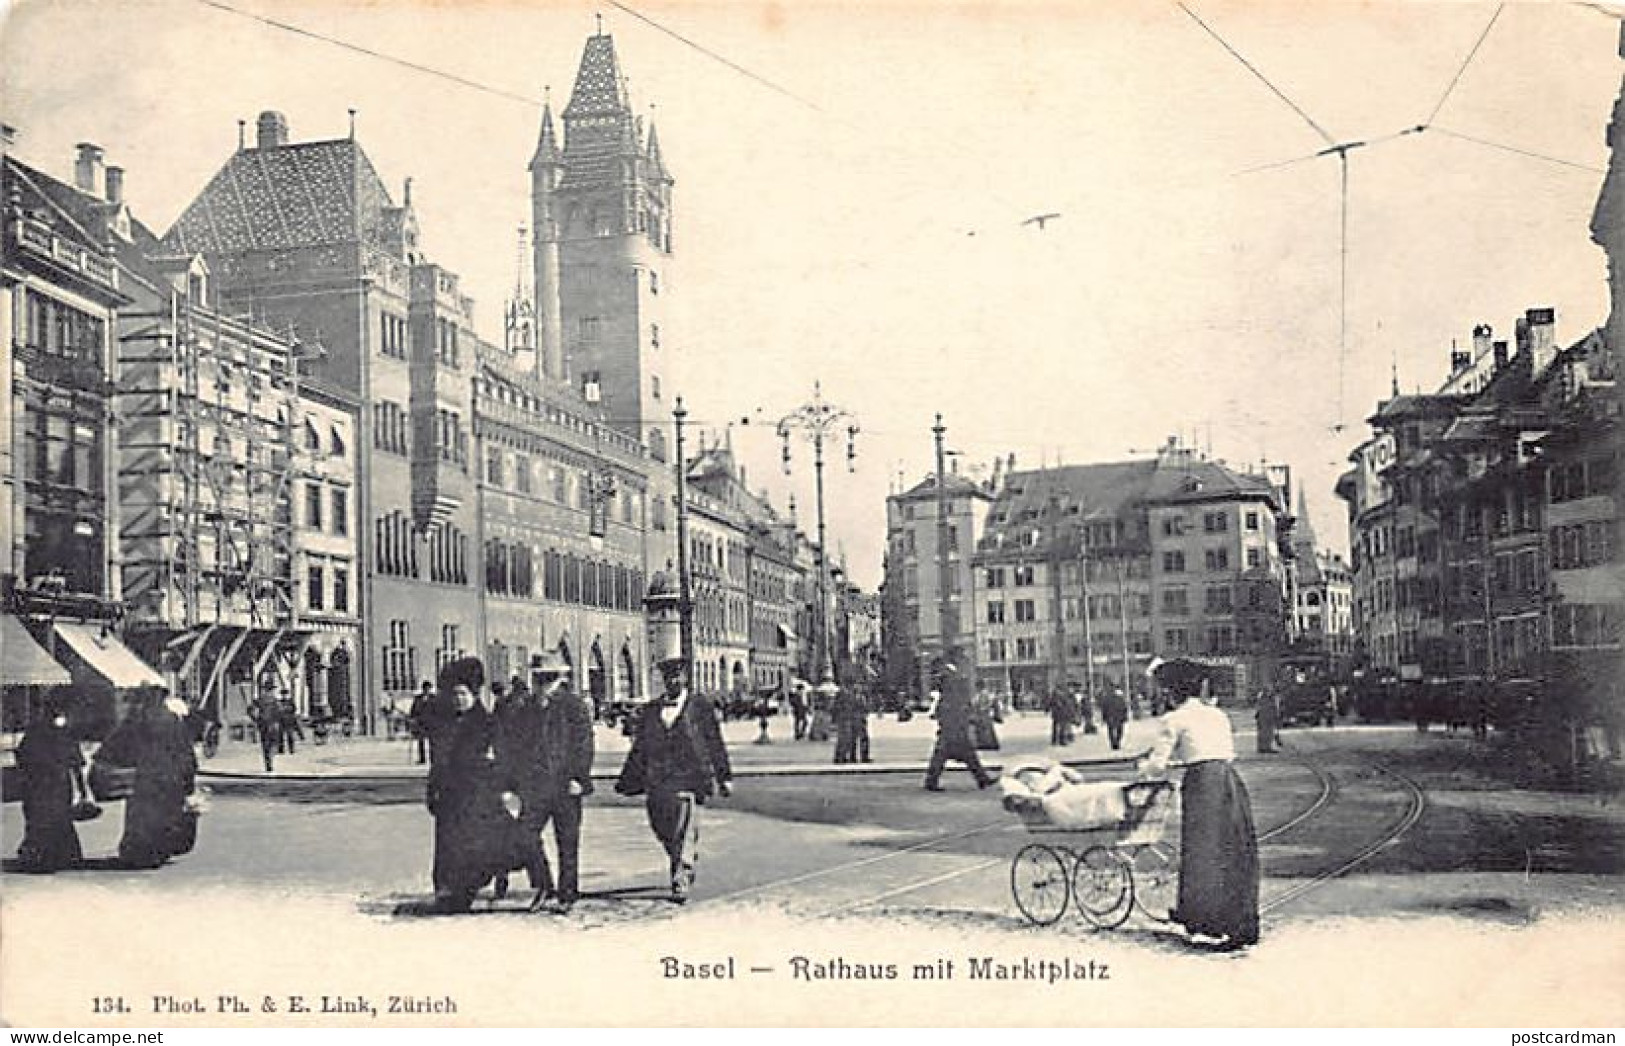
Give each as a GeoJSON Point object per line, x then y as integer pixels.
{"type": "Point", "coordinates": [995, 575]}
{"type": "Point", "coordinates": [1174, 602]}
{"type": "Point", "coordinates": [1026, 649]}
{"type": "Point", "coordinates": [1173, 641]}
{"type": "Point", "coordinates": [654, 282]}
{"type": "Point", "coordinates": [1025, 610]}
{"type": "Point", "coordinates": [1220, 638]}
{"type": "Point", "coordinates": [587, 326]}
{"type": "Point", "coordinates": [315, 588]}
{"type": "Point", "coordinates": [654, 385]}
{"type": "Point", "coordinates": [1218, 599]}
{"type": "Point", "coordinates": [493, 467]}
{"type": "Point", "coordinates": [1023, 576]}
{"type": "Point", "coordinates": [995, 650]}
{"type": "Point", "coordinates": [313, 506]}
{"type": "Point", "coordinates": [1173, 562]}
{"type": "Point", "coordinates": [1255, 557]}
{"type": "Point", "coordinates": [341, 590]}
{"type": "Point", "coordinates": [1217, 559]}
{"type": "Point", "coordinates": [1215, 522]}
{"type": "Point", "coordinates": [521, 473]}
{"type": "Point", "coordinates": [341, 512]}
{"type": "Point", "coordinates": [1252, 520]}
{"type": "Point", "coordinates": [654, 335]}
{"type": "Point", "coordinates": [1173, 526]}
{"type": "Point", "coordinates": [995, 613]}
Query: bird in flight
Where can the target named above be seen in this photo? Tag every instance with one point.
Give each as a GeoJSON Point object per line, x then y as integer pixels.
{"type": "Point", "coordinates": [1041, 220]}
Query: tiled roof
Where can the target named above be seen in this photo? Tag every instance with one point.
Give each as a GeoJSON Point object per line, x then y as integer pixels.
{"type": "Point", "coordinates": [1083, 493]}
{"type": "Point", "coordinates": [927, 488]}
{"type": "Point", "coordinates": [74, 215]}
{"type": "Point", "coordinates": [1196, 480]}
{"type": "Point", "coordinates": [599, 130]}
{"type": "Point", "coordinates": [284, 197]}
{"type": "Point", "coordinates": [599, 89]}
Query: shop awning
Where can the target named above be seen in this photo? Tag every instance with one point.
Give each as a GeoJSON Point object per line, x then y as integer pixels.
{"type": "Point", "coordinates": [108, 657]}
{"type": "Point", "coordinates": [24, 662]}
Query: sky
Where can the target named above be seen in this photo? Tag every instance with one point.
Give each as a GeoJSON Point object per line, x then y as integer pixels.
{"type": "Point", "coordinates": [858, 218]}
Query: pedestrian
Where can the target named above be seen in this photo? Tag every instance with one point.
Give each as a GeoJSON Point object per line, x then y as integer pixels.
{"type": "Point", "coordinates": [418, 716]}
{"type": "Point", "coordinates": [677, 761]}
{"type": "Point", "coordinates": [156, 740]}
{"type": "Point", "coordinates": [860, 726]}
{"type": "Point", "coordinates": [1114, 713]}
{"type": "Point", "coordinates": [846, 712]}
{"type": "Point", "coordinates": [954, 741]}
{"type": "Point", "coordinates": [290, 728]}
{"type": "Point", "coordinates": [1061, 711]}
{"type": "Point", "coordinates": [1268, 719]}
{"type": "Point", "coordinates": [52, 769]}
{"type": "Point", "coordinates": [545, 753]}
{"type": "Point", "coordinates": [1086, 711]}
{"type": "Point", "coordinates": [984, 732]}
{"type": "Point", "coordinates": [266, 715]}
{"type": "Point", "coordinates": [798, 708]}
{"type": "Point", "coordinates": [475, 837]}
{"type": "Point", "coordinates": [1218, 851]}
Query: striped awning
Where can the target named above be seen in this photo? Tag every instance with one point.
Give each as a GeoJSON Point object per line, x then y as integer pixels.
{"type": "Point", "coordinates": [24, 662]}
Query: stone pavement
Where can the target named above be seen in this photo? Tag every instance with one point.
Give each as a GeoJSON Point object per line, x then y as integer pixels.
{"type": "Point", "coordinates": [895, 748]}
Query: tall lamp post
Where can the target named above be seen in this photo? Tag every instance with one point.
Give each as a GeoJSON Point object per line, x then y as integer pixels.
{"type": "Point", "coordinates": [818, 420]}
{"type": "Point", "coordinates": [685, 604]}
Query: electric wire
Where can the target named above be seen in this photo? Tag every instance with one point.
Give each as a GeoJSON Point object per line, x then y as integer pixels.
{"type": "Point", "coordinates": [370, 53]}
{"type": "Point", "coordinates": [1521, 152]}
{"type": "Point", "coordinates": [1261, 77]}
{"type": "Point", "coordinates": [1465, 63]}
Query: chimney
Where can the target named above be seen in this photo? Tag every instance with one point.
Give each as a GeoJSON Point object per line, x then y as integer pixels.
{"type": "Point", "coordinates": [1542, 326]}
{"type": "Point", "coordinates": [115, 185]}
{"type": "Point", "coordinates": [1481, 340]}
{"type": "Point", "coordinates": [87, 171]}
{"type": "Point", "coordinates": [1500, 350]}
{"type": "Point", "coordinates": [8, 138]}
{"type": "Point", "coordinates": [273, 130]}
{"type": "Point", "coordinates": [1459, 360]}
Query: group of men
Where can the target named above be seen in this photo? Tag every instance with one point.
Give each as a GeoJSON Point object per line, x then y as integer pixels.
{"type": "Point", "coordinates": [543, 747]}
{"type": "Point", "coordinates": [1069, 709]}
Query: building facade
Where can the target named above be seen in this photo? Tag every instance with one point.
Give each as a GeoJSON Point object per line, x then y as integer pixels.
{"type": "Point", "coordinates": [1087, 573]}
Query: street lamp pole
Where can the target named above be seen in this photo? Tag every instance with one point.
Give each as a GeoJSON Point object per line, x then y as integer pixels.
{"type": "Point", "coordinates": [817, 420]}
{"type": "Point", "coordinates": [685, 628]}
{"type": "Point", "coordinates": [945, 620]}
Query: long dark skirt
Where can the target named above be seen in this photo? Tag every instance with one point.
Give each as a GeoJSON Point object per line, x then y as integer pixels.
{"type": "Point", "coordinates": [47, 760]}
{"type": "Point", "coordinates": [1218, 856]}
{"type": "Point", "coordinates": [475, 840]}
{"type": "Point", "coordinates": [156, 824]}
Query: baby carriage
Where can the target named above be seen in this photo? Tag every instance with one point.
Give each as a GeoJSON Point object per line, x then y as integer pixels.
{"type": "Point", "coordinates": [1101, 847]}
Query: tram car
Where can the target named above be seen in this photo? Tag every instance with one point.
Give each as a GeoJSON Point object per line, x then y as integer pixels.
{"type": "Point", "coordinates": [1304, 687]}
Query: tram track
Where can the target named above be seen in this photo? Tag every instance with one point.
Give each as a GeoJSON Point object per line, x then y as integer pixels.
{"type": "Point", "coordinates": [1416, 808]}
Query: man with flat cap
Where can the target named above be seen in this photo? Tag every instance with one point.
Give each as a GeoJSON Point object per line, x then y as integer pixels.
{"type": "Point", "coordinates": [677, 762]}
{"type": "Point", "coordinates": [546, 754]}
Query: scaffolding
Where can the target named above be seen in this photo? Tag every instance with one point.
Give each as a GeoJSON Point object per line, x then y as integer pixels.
{"type": "Point", "coordinates": [209, 417]}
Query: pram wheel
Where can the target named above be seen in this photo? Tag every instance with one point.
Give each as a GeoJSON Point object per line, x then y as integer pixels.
{"type": "Point", "coordinates": [1156, 880]}
{"type": "Point", "coordinates": [1039, 883]}
{"type": "Point", "coordinates": [1104, 887]}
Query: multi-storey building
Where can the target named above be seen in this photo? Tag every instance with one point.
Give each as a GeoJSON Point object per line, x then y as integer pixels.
{"type": "Point", "coordinates": [915, 579]}
{"type": "Point", "coordinates": [564, 507]}
{"type": "Point", "coordinates": [60, 289]}
{"type": "Point", "coordinates": [1088, 572]}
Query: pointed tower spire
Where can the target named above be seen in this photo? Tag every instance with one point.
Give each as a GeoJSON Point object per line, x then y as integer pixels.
{"type": "Point", "coordinates": [657, 163]}
{"type": "Point", "coordinates": [548, 153]}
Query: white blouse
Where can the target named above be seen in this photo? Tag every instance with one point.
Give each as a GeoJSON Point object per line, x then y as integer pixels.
{"type": "Point", "coordinates": [1192, 733]}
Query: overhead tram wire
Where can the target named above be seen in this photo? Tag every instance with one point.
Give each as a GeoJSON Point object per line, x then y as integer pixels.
{"type": "Point", "coordinates": [1341, 151]}
{"type": "Point", "coordinates": [370, 53]}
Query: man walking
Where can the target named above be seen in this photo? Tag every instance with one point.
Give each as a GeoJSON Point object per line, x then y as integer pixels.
{"type": "Point", "coordinates": [677, 761]}
{"type": "Point", "coordinates": [267, 718]}
{"type": "Point", "coordinates": [954, 739]}
{"type": "Point", "coordinates": [1114, 710]}
{"type": "Point", "coordinates": [418, 720]}
{"type": "Point", "coordinates": [545, 754]}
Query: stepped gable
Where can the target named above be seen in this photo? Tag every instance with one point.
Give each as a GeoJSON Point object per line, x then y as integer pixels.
{"type": "Point", "coordinates": [284, 197]}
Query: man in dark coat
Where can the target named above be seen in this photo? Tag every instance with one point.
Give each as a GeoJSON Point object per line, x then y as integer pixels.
{"type": "Point", "coordinates": [1114, 710]}
{"type": "Point", "coordinates": [954, 739]}
{"type": "Point", "coordinates": [1062, 714]}
{"type": "Point", "coordinates": [418, 720]}
{"type": "Point", "coordinates": [545, 750]}
{"type": "Point", "coordinates": [677, 761]}
{"type": "Point", "coordinates": [266, 715]}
